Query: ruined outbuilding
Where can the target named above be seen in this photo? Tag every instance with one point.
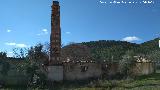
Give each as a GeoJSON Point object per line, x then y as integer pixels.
{"type": "Point", "coordinates": [81, 69]}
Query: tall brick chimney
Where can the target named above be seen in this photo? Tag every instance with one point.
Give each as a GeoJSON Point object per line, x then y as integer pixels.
{"type": "Point", "coordinates": [55, 37]}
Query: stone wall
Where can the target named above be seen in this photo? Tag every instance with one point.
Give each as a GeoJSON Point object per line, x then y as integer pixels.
{"type": "Point", "coordinates": [144, 68]}
{"type": "Point", "coordinates": [140, 68]}
{"type": "Point", "coordinates": [110, 69]}
{"type": "Point", "coordinates": [81, 71]}
{"type": "Point", "coordinates": [55, 73]}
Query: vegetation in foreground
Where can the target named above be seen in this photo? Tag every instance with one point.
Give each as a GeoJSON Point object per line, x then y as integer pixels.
{"type": "Point", "coordinates": [146, 82]}
{"type": "Point", "coordinates": [28, 66]}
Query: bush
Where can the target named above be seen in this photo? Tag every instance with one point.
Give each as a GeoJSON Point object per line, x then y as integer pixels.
{"type": "Point", "coordinates": [127, 63]}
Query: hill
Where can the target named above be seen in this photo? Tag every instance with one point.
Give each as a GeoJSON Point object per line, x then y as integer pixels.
{"type": "Point", "coordinates": [114, 50]}
{"type": "Point", "coordinates": [150, 46]}
{"type": "Point", "coordinates": [109, 49]}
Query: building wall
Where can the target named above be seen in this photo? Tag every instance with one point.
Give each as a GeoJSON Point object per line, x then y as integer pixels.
{"type": "Point", "coordinates": [81, 71]}
{"type": "Point", "coordinates": [111, 69]}
{"type": "Point", "coordinates": [55, 73]}
{"type": "Point", "coordinates": [144, 68]}
{"type": "Point", "coordinates": [140, 68]}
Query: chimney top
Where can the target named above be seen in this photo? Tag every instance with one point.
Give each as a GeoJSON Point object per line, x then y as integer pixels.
{"type": "Point", "coordinates": [55, 3]}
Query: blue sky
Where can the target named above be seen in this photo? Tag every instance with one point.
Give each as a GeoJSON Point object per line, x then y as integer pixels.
{"type": "Point", "coordinates": [24, 23]}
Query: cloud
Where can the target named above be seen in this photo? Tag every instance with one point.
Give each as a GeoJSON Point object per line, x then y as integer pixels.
{"type": "Point", "coordinates": [10, 44]}
{"type": "Point", "coordinates": [68, 32]}
{"type": "Point", "coordinates": [9, 30]}
{"type": "Point", "coordinates": [21, 45]}
{"type": "Point", "coordinates": [131, 39]}
{"type": "Point", "coordinates": [43, 32]}
{"type": "Point", "coordinates": [17, 45]}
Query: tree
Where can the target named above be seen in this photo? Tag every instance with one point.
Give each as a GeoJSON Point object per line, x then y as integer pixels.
{"type": "Point", "coordinates": [154, 56]}
{"type": "Point", "coordinates": [5, 67]}
{"type": "Point", "coordinates": [35, 74]}
{"type": "Point", "coordinates": [38, 53]}
{"type": "Point", "coordinates": [127, 63]}
{"type": "Point", "coordinates": [3, 55]}
{"type": "Point", "coordinates": [20, 52]}
{"type": "Point", "coordinates": [46, 48]}
{"type": "Point", "coordinates": [32, 67]}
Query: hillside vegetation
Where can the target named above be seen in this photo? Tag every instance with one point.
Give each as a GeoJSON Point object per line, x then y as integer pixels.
{"type": "Point", "coordinates": [114, 50]}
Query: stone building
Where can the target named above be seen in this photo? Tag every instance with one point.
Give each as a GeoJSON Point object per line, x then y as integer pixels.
{"type": "Point", "coordinates": [144, 66]}
{"type": "Point", "coordinates": [79, 70]}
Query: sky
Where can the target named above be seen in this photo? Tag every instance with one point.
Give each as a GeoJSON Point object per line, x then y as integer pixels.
{"type": "Point", "coordinates": [24, 23]}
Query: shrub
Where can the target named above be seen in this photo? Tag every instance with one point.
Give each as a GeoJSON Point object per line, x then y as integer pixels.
{"type": "Point", "coordinates": [127, 63]}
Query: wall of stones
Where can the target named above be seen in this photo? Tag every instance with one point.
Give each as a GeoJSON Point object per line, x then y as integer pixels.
{"type": "Point", "coordinates": [140, 68]}
{"type": "Point", "coordinates": [55, 73]}
{"type": "Point", "coordinates": [144, 68]}
{"type": "Point", "coordinates": [81, 71]}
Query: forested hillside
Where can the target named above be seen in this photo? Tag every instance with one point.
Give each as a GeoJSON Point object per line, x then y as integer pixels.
{"type": "Point", "coordinates": [114, 50]}
{"type": "Point", "coordinates": [110, 49]}
{"type": "Point", "coordinates": [150, 46]}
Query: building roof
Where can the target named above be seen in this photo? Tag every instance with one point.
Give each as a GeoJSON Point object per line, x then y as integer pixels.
{"type": "Point", "coordinates": [142, 59]}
